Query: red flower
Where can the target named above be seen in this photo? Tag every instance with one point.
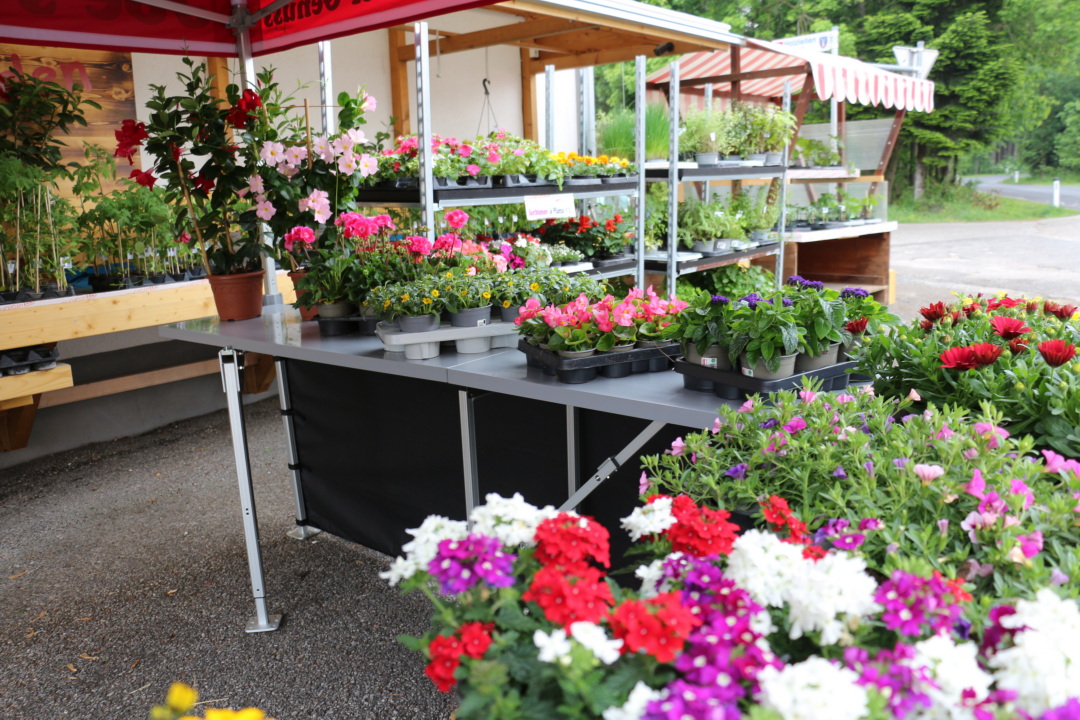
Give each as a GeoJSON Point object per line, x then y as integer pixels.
{"type": "Point", "coordinates": [567, 599]}
{"type": "Point", "coordinates": [959, 358]}
{"type": "Point", "coordinates": [445, 659]}
{"type": "Point", "coordinates": [1064, 312]}
{"type": "Point", "coordinates": [700, 531]}
{"type": "Point", "coordinates": [128, 138]}
{"type": "Point", "coordinates": [1056, 352]}
{"type": "Point", "coordinates": [240, 114]}
{"type": "Point", "coordinates": [1005, 302]}
{"type": "Point", "coordinates": [659, 626]}
{"type": "Point", "coordinates": [926, 325]}
{"type": "Point", "coordinates": [986, 353]}
{"type": "Point", "coordinates": [204, 183]}
{"type": "Point", "coordinates": [570, 541]}
{"type": "Point", "coordinates": [145, 179]}
{"type": "Point", "coordinates": [1031, 306]}
{"type": "Point", "coordinates": [475, 638]}
{"type": "Point", "coordinates": [1018, 345]}
{"type": "Point", "coordinates": [934, 312]}
{"type": "Point", "coordinates": [856, 327]}
{"type": "Point", "coordinates": [970, 309]}
{"type": "Point", "coordinates": [1007, 327]}
{"type": "Point", "coordinates": [813, 552]}
{"type": "Point", "coordinates": [777, 513]}
{"type": "Point", "coordinates": [610, 226]}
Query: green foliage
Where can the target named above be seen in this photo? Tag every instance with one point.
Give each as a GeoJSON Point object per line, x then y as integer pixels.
{"type": "Point", "coordinates": [734, 281]}
{"type": "Point", "coordinates": [616, 131]}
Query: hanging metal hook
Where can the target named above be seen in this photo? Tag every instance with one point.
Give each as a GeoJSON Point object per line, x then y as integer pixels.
{"type": "Point", "coordinates": [485, 82]}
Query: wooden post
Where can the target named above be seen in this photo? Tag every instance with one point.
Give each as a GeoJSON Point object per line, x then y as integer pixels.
{"type": "Point", "coordinates": [528, 98]}
{"type": "Point", "coordinates": [399, 82]}
{"type": "Point", "coordinates": [219, 68]}
{"type": "Point", "coordinates": [16, 424]}
{"type": "Point", "coordinates": [736, 70]}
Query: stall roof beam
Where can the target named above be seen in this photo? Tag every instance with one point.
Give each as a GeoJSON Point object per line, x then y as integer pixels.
{"type": "Point", "coordinates": [531, 30]}
{"type": "Point", "coordinates": [601, 57]}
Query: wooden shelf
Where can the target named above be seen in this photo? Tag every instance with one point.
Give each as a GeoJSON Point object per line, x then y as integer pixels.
{"type": "Point", "coordinates": [839, 233]}
{"type": "Point", "coordinates": [18, 390]}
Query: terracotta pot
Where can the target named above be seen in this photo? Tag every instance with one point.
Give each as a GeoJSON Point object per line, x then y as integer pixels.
{"type": "Point", "coordinates": [238, 297]}
{"type": "Point", "coordinates": [305, 313]}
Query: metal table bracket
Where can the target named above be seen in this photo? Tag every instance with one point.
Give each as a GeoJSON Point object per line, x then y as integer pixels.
{"type": "Point", "coordinates": [612, 464]}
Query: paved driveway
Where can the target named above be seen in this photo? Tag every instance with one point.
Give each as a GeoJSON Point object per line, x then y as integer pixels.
{"type": "Point", "coordinates": [1070, 194]}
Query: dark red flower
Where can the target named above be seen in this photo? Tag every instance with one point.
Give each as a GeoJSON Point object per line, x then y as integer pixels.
{"type": "Point", "coordinates": [145, 179]}
{"type": "Point", "coordinates": [1007, 327]}
{"type": "Point", "coordinates": [926, 325]}
{"type": "Point", "coordinates": [986, 353]}
{"type": "Point", "coordinates": [1031, 306]}
{"type": "Point", "coordinates": [959, 358]}
{"type": "Point", "coordinates": [933, 312]}
{"type": "Point", "coordinates": [956, 316]}
{"type": "Point", "coordinates": [1064, 312]}
{"type": "Point", "coordinates": [204, 183]}
{"type": "Point", "coordinates": [128, 138]}
{"type": "Point", "coordinates": [856, 327]}
{"type": "Point", "coordinates": [1018, 345]}
{"type": "Point", "coordinates": [813, 552]}
{"type": "Point", "coordinates": [971, 309]}
{"type": "Point", "coordinates": [1056, 352]}
{"type": "Point", "coordinates": [1005, 302]}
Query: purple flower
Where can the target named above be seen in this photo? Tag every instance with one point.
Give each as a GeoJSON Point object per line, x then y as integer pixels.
{"type": "Point", "coordinates": [853, 292]}
{"type": "Point", "coordinates": [787, 302]}
{"type": "Point", "coordinates": [461, 564]}
{"type": "Point", "coordinates": [769, 424]}
{"type": "Point", "coordinates": [719, 300]}
{"type": "Point", "coordinates": [900, 463]}
{"type": "Point", "coordinates": [751, 300]}
{"type": "Point", "coordinates": [1069, 711]}
{"type": "Point", "coordinates": [737, 472]}
{"type": "Point", "coordinates": [914, 604]}
{"type": "Point", "coordinates": [870, 524]}
{"type": "Point", "coordinates": [839, 472]}
{"type": "Point", "coordinates": [1057, 577]}
{"type": "Point", "coordinates": [849, 541]}
{"type": "Point", "coordinates": [796, 280]}
{"type": "Point", "coordinates": [909, 416]}
{"type": "Point", "coordinates": [869, 466]}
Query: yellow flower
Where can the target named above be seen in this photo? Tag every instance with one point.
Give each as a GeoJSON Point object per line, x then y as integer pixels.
{"type": "Point", "coordinates": [506, 304]}
{"type": "Point", "coordinates": [181, 697]}
{"type": "Point", "coordinates": [434, 293]}
{"type": "Point", "coordinates": [486, 295]}
{"type": "Point", "coordinates": [405, 297]}
{"type": "Point", "coordinates": [386, 304]}
{"type": "Point", "coordinates": [534, 286]}
{"type": "Point", "coordinates": [449, 274]}
{"type": "Point", "coordinates": [427, 301]}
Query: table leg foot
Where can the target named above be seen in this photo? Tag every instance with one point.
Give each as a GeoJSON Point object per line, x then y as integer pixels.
{"type": "Point", "coordinates": [303, 532]}
{"type": "Point", "coordinates": [255, 626]}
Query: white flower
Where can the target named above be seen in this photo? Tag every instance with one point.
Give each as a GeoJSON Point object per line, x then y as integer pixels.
{"type": "Point", "coordinates": [651, 519]}
{"type": "Point", "coordinates": [827, 593]}
{"type": "Point", "coordinates": [595, 640]}
{"type": "Point", "coordinates": [1043, 666]}
{"type": "Point", "coordinates": [512, 520]}
{"type": "Point", "coordinates": [651, 576]}
{"type": "Point", "coordinates": [421, 550]}
{"type": "Point", "coordinates": [764, 566]}
{"type": "Point", "coordinates": [954, 669]}
{"type": "Point", "coordinates": [554, 647]}
{"type": "Point", "coordinates": [635, 705]}
{"type": "Point", "coordinates": [812, 690]}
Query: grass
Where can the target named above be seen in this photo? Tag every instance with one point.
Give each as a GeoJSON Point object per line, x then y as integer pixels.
{"type": "Point", "coordinates": [976, 207]}
{"type": "Point", "coordinates": [615, 134]}
{"type": "Point", "coordinates": [1067, 177]}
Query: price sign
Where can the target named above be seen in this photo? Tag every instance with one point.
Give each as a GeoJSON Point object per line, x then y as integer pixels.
{"type": "Point", "coordinates": [542, 207]}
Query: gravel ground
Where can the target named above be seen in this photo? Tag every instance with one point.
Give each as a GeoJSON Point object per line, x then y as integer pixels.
{"type": "Point", "coordinates": [124, 569]}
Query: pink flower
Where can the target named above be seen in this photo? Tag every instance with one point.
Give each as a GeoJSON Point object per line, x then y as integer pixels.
{"type": "Point", "coordinates": [465, 151]}
{"type": "Point", "coordinates": [368, 103]}
{"type": "Point", "coordinates": [1057, 577]}
{"type": "Point", "coordinates": [747, 406]}
{"type": "Point", "coordinates": [1031, 545]}
{"type": "Point", "coordinates": [457, 219]}
{"type": "Point", "coordinates": [977, 521]}
{"type": "Point", "coordinates": [1019, 487]}
{"type": "Point", "coordinates": [265, 210]}
{"type": "Point", "coordinates": [807, 396]}
{"type": "Point", "coordinates": [795, 425]}
{"type": "Point", "coordinates": [299, 234]}
{"type": "Point", "coordinates": [928, 473]}
{"type": "Point", "coordinates": [914, 396]}
{"type": "Point", "coordinates": [255, 184]}
{"type": "Point", "coordinates": [716, 426]}
{"type": "Point", "coordinates": [272, 153]}
{"type": "Point", "coordinates": [943, 526]}
{"type": "Point", "coordinates": [500, 263]}
{"type": "Point", "coordinates": [945, 433]}
{"type": "Point", "coordinates": [870, 524]}
{"type": "Point", "coordinates": [472, 169]}
{"type": "Point", "coordinates": [643, 483]}
{"type": "Point", "coordinates": [493, 157]}
{"type": "Point", "coordinates": [845, 399]}
{"type": "Point", "coordinates": [971, 453]}
{"type": "Point", "coordinates": [977, 487]}
{"type": "Point", "coordinates": [368, 165]}
{"type": "Point", "coordinates": [991, 431]}
{"type": "Point", "coordinates": [419, 245]}
{"type": "Point", "coordinates": [347, 163]}
{"type": "Point", "coordinates": [677, 448]}
{"type": "Point", "coordinates": [519, 152]}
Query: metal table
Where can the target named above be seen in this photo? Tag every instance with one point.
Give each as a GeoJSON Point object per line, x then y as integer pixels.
{"type": "Point", "coordinates": [658, 398]}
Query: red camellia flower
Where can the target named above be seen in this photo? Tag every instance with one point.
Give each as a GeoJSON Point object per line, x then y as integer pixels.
{"type": "Point", "coordinates": [959, 358]}
{"type": "Point", "coordinates": [1007, 327]}
{"type": "Point", "coordinates": [856, 327]}
{"type": "Point", "coordinates": [933, 312]}
{"type": "Point", "coordinates": [659, 626]}
{"type": "Point", "coordinates": [247, 103]}
{"type": "Point", "coordinates": [1056, 352]}
{"type": "Point", "coordinates": [145, 179]}
{"type": "Point", "coordinates": [566, 599]}
{"type": "Point", "coordinates": [569, 541]}
{"type": "Point", "coordinates": [204, 183]}
{"type": "Point", "coordinates": [813, 552]}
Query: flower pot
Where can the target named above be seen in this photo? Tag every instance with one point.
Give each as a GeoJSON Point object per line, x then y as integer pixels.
{"type": "Point", "coordinates": [238, 297]}
{"type": "Point", "coordinates": [309, 313]}
{"type": "Point", "coordinates": [419, 323]}
{"type": "Point", "coordinates": [473, 345]}
{"type": "Point", "coordinates": [761, 372]}
{"type": "Point", "coordinates": [842, 352]}
{"type": "Point", "coordinates": [471, 317]}
{"type": "Point", "coordinates": [714, 357]}
{"type": "Point", "coordinates": [339, 309]}
{"type": "Point", "coordinates": [703, 245]}
{"type": "Point", "coordinates": [508, 314]}
{"type": "Point", "coordinates": [756, 158]}
{"type": "Point", "coordinates": [653, 343]}
{"type": "Point", "coordinates": [706, 159]}
{"type": "Point", "coordinates": [805, 363]}
{"type": "Point", "coordinates": [773, 158]}
{"type": "Point", "coordinates": [574, 354]}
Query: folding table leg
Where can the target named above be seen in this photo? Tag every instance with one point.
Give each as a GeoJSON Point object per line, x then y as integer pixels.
{"type": "Point", "coordinates": [230, 361]}
{"type": "Point", "coordinates": [468, 450]}
{"type": "Point", "coordinates": [612, 464]}
{"type": "Point", "coordinates": [302, 531]}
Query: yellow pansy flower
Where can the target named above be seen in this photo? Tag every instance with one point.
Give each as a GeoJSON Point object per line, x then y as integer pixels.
{"type": "Point", "coordinates": [181, 697]}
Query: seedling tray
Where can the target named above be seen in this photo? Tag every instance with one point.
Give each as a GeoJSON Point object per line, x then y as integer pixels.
{"type": "Point", "coordinates": [608, 364]}
{"type": "Point", "coordinates": [425, 345]}
{"type": "Point", "coordinates": [733, 385]}
{"type": "Point", "coordinates": [24, 360]}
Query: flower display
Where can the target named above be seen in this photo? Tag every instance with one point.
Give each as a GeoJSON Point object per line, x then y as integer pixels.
{"type": "Point", "coordinates": [1018, 354]}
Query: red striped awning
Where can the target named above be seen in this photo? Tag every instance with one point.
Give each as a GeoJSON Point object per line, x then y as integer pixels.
{"type": "Point", "coordinates": [834, 76]}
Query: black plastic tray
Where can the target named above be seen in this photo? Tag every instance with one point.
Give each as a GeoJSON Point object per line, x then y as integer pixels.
{"type": "Point", "coordinates": [23, 360]}
{"type": "Point", "coordinates": [609, 364]}
{"type": "Point", "coordinates": [456, 193]}
{"type": "Point", "coordinates": [333, 327]}
{"type": "Point", "coordinates": [732, 385]}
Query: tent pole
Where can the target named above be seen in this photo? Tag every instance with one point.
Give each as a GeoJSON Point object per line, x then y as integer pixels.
{"type": "Point", "coordinates": [423, 127]}
{"type": "Point", "coordinates": [326, 87]}
{"type": "Point", "coordinates": [549, 107]}
{"type": "Point", "coordinates": [639, 160]}
{"type": "Point", "coordinates": [784, 192]}
{"type": "Point", "coordinates": [673, 179]}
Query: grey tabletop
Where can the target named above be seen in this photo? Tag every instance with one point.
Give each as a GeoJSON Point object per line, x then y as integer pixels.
{"type": "Point", "coordinates": [280, 332]}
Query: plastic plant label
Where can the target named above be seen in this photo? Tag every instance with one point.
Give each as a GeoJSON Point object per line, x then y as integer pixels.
{"type": "Point", "coordinates": [708, 362]}
{"type": "Point", "coordinates": [748, 372]}
{"type": "Point", "coordinates": [712, 136]}
{"type": "Point", "coordinates": [130, 256]}
{"type": "Point", "coordinates": [543, 207]}
{"type": "Point", "coordinates": [66, 263]}
{"type": "Point", "coordinates": [11, 267]}
{"type": "Point", "coordinates": [172, 252]}
{"type": "Point", "coordinates": [514, 218]}
{"type": "Point", "coordinates": [481, 322]}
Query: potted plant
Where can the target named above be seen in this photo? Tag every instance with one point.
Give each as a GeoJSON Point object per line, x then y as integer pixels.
{"type": "Point", "coordinates": [416, 304]}
{"type": "Point", "coordinates": [702, 331]}
{"type": "Point", "coordinates": [765, 336]}
{"type": "Point", "coordinates": [703, 135]}
{"type": "Point", "coordinates": [326, 284]}
{"type": "Point", "coordinates": [777, 127]}
{"type": "Point", "coordinates": [700, 224]}
{"type": "Point", "coordinates": [821, 314]}
{"type": "Point", "coordinates": [467, 297]}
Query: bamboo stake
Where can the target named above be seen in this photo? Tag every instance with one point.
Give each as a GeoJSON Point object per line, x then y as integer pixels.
{"type": "Point", "coordinates": [61, 279]}
{"type": "Point", "coordinates": [194, 220]}
{"type": "Point", "coordinates": [37, 244]}
{"type": "Point", "coordinates": [307, 128]}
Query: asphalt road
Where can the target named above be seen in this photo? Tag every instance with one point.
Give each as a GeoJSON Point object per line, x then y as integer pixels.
{"type": "Point", "coordinates": [122, 564]}
{"type": "Point", "coordinates": [1070, 194]}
